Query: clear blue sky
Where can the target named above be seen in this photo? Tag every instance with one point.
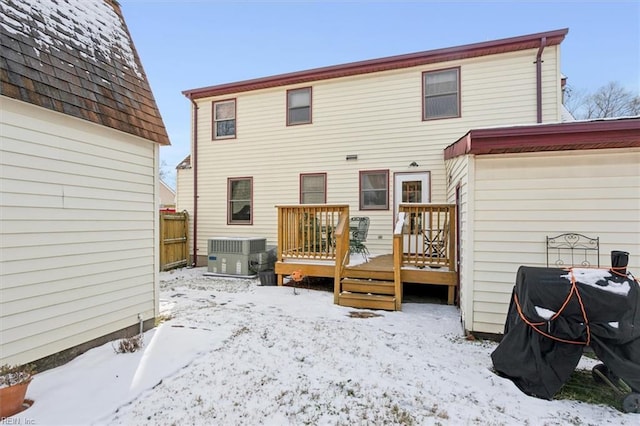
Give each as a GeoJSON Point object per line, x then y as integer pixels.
{"type": "Point", "coordinates": [187, 44]}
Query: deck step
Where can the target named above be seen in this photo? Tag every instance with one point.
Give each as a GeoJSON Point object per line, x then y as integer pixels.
{"type": "Point", "coordinates": [367, 301]}
{"type": "Point", "coordinates": [356, 285]}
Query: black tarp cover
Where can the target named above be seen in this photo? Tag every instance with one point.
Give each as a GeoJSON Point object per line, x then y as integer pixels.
{"type": "Point", "coordinates": [539, 357]}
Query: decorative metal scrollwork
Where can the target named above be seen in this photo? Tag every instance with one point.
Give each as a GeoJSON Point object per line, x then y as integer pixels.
{"type": "Point", "coordinates": [573, 244]}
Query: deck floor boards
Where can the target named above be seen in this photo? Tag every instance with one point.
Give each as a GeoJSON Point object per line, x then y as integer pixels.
{"type": "Point", "coordinates": [378, 263]}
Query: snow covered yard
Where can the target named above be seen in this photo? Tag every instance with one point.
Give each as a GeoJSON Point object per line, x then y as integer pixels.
{"type": "Point", "coordinates": [234, 352]}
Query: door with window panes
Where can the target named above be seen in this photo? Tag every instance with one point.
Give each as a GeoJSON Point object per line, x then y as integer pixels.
{"type": "Point", "coordinates": [411, 187]}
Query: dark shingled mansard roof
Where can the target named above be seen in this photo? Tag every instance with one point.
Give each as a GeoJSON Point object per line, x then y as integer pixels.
{"type": "Point", "coordinates": [77, 58]}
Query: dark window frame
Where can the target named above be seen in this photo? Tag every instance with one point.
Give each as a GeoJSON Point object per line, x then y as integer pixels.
{"type": "Point", "coordinates": [288, 112]}
{"type": "Point", "coordinates": [301, 192]}
{"type": "Point", "coordinates": [362, 205]}
{"type": "Point", "coordinates": [214, 127]}
{"type": "Point", "coordinates": [230, 201]}
{"type": "Point", "coordinates": [458, 94]}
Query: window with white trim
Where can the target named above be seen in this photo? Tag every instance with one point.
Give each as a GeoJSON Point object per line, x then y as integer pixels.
{"type": "Point", "coordinates": [441, 94]}
{"type": "Point", "coordinates": [299, 106]}
{"type": "Point", "coordinates": [224, 119]}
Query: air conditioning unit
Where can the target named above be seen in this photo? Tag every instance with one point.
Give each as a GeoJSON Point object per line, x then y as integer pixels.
{"type": "Point", "coordinates": [236, 255]}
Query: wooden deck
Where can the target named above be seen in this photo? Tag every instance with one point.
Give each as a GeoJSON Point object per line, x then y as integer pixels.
{"type": "Point", "coordinates": [377, 268]}
{"type": "Point", "coordinates": [423, 253]}
{"type": "Point", "coordinates": [381, 267]}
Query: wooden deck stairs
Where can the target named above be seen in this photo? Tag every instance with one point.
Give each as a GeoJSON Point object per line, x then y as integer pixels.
{"type": "Point", "coordinates": [367, 294]}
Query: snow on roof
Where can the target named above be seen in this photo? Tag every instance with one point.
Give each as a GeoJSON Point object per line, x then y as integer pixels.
{"type": "Point", "coordinates": [38, 18]}
{"type": "Point", "coordinates": [185, 164]}
{"type": "Point", "coordinates": [77, 58]}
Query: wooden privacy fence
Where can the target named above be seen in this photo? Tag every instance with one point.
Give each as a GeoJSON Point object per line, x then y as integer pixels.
{"type": "Point", "coordinates": [174, 236]}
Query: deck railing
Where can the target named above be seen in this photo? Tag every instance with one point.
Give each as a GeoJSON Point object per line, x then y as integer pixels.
{"type": "Point", "coordinates": [428, 235]}
{"type": "Point", "coordinates": [342, 253]}
{"type": "Point", "coordinates": [308, 231]}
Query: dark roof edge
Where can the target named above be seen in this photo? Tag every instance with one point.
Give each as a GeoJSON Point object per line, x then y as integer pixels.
{"type": "Point", "coordinates": [622, 132]}
{"type": "Point", "coordinates": [184, 164]}
{"type": "Point", "coordinates": [383, 64]}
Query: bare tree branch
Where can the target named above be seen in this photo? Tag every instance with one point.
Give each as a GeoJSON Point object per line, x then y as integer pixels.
{"type": "Point", "coordinates": [610, 100]}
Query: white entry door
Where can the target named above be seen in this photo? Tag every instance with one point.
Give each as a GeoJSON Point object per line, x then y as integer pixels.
{"type": "Point", "coordinates": [411, 187]}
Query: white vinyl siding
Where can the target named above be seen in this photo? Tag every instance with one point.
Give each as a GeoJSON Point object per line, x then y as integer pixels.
{"type": "Point", "coordinates": [594, 193]}
{"type": "Point", "coordinates": [376, 116]}
{"type": "Point", "coordinates": [78, 238]}
{"type": "Point", "coordinates": [458, 172]}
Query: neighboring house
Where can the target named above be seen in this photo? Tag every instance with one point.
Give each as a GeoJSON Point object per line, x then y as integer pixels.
{"type": "Point", "coordinates": [167, 197]}
{"type": "Point", "coordinates": [79, 150]}
{"type": "Point", "coordinates": [368, 137]}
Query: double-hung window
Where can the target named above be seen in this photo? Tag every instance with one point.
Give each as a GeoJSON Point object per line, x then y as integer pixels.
{"type": "Point", "coordinates": [441, 94]}
{"type": "Point", "coordinates": [224, 119]}
{"type": "Point", "coordinates": [299, 106]}
{"type": "Point", "coordinates": [240, 201]}
{"type": "Point", "coordinates": [313, 188]}
{"type": "Point", "coordinates": [374, 190]}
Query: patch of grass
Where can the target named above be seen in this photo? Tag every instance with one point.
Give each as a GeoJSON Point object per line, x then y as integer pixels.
{"type": "Point", "coordinates": [582, 387]}
{"type": "Point", "coordinates": [163, 318]}
{"type": "Point", "coordinates": [438, 412]}
{"type": "Point", "coordinates": [239, 332]}
{"type": "Point", "coordinates": [129, 344]}
{"type": "Point", "coordinates": [401, 417]}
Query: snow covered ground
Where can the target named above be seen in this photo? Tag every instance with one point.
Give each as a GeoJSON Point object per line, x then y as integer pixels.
{"type": "Point", "coordinates": [237, 353]}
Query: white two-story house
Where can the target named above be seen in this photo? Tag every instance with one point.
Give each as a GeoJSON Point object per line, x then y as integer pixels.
{"type": "Point", "coordinates": [385, 139]}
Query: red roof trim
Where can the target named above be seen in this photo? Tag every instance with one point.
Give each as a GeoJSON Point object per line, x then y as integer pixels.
{"type": "Point", "coordinates": [620, 133]}
{"type": "Point", "coordinates": [512, 44]}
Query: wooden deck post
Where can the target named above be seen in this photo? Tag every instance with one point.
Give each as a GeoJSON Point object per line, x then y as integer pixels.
{"type": "Point", "coordinates": [342, 252]}
{"type": "Point", "coordinates": [280, 242]}
{"type": "Point", "coordinates": [337, 277]}
{"type": "Point", "coordinates": [397, 269]}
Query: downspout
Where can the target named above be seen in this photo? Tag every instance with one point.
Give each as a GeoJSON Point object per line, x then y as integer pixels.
{"type": "Point", "coordinates": [538, 62]}
{"type": "Point", "coordinates": [194, 162]}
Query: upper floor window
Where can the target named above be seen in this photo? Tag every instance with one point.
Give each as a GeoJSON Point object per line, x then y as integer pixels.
{"type": "Point", "coordinates": [299, 106]}
{"type": "Point", "coordinates": [224, 119]}
{"type": "Point", "coordinates": [374, 190]}
{"type": "Point", "coordinates": [313, 188]}
{"type": "Point", "coordinates": [240, 201]}
{"type": "Point", "coordinates": [441, 94]}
